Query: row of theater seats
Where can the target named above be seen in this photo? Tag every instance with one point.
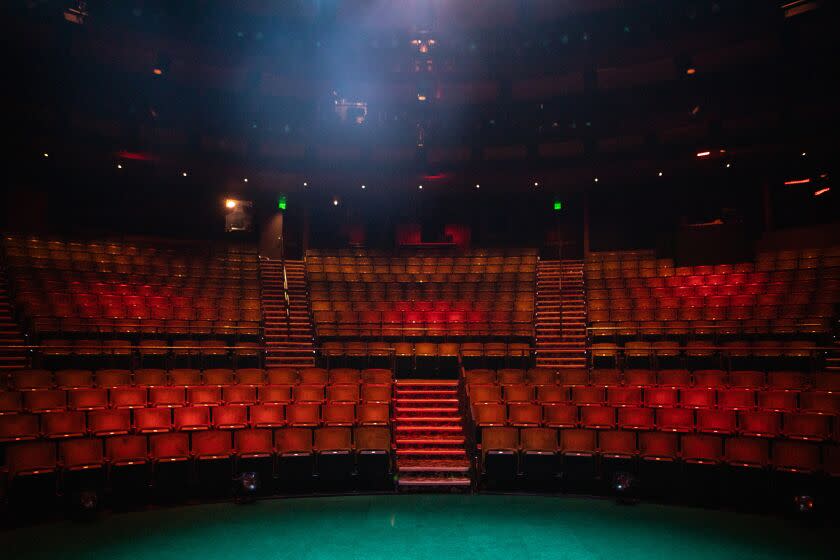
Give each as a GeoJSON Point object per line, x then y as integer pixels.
{"type": "Point", "coordinates": [822, 381]}
{"type": "Point", "coordinates": [544, 452]}
{"type": "Point", "coordinates": [639, 295]}
{"type": "Point", "coordinates": [603, 328]}
{"type": "Point", "coordinates": [62, 353]}
{"type": "Point", "coordinates": [453, 304]}
{"type": "Point", "coordinates": [31, 380]}
{"type": "Point", "coordinates": [87, 288]}
{"type": "Point", "coordinates": [167, 410]}
{"type": "Point", "coordinates": [762, 354]}
{"type": "Point", "coordinates": [414, 296]}
{"type": "Point", "coordinates": [331, 452]}
{"type": "Point", "coordinates": [423, 324]}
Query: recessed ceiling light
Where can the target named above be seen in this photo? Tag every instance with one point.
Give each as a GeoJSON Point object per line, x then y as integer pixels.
{"type": "Point", "coordinates": [660, 174]}
{"type": "Point", "coordinates": [420, 187]}
{"type": "Point", "coordinates": [536, 184]}
{"type": "Point", "coordinates": [335, 202]}
{"type": "Point", "coordinates": [728, 165]}
{"type": "Point", "coordinates": [804, 154]}
{"type": "Point", "coordinates": [363, 187]}
{"type": "Point", "coordinates": [245, 179]}
{"type": "Point", "coordinates": [119, 166]}
{"type": "Point", "coordinates": [477, 186]}
{"type": "Point", "coordinates": [183, 174]}
{"type": "Point", "coordinates": [596, 179]}
{"type": "Point", "coordinates": [46, 154]}
{"type": "Point", "coordinates": [305, 184]}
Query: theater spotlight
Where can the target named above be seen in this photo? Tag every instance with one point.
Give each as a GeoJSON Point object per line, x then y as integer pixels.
{"type": "Point", "coordinates": [247, 486]}
{"type": "Point", "coordinates": [623, 486]}
{"type": "Point", "coordinates": [85, 504]}
{"type": "Point", "coordinates": [804, 505]}
{"type": "Point", "coordinates": [237, 214]}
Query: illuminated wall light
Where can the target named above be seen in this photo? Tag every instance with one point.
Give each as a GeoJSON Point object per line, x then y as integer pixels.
{"type": "Point", "coordinates": [305, 184]}
{"type": "Point", "coordinates": [230, 203]}
{"type": "Point", "coordinates": [335, 202]}
{"type": "Point", "coordinates": [421, 97]}
{"type": "Point", "coordinates": [691, 71]}
{"type": "Point", "coordinates": [536, 184]}
{"type": "Point", "coordinates": [477, 186]}
{"type": "Point", "coordinates": [704, 154]}
{"type": "Point", "coordinates": [183, 174]}
{"type": "Point", "coordinates": [798, 181]}
{"type": "Point", "coordinates": [596, 179]}
{"type": "Point", "coordinates": [660, 174]}
{"type": "Point", "coordinates": [420, 187]}
{"type": "Point", "coordinates": [363, 187]}
{"type": "Point", "coordinates": [728, 165]}
{"type": "Point", "coordinates": [46, 154]}
{"type": "Point", "coordinates": [804, 154]}
{"type": "Point", "coordinates": [119, 166]}
{"type": "Point", "coordinates": [822, 191]}
{"type": "Point", "coordinates": [157, 71]}
{"type": "Point", "coordinates": [245, 180]}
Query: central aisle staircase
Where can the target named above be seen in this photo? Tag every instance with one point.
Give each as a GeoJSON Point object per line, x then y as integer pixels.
{"type": "Point", "coordinates": [287, 327]}
{"type": "Point", "coordinates": [429, 436]}
{"type": "Point", "coordinates": [560, 322]}
{"type": "Point", "coordinates": [10, 335]}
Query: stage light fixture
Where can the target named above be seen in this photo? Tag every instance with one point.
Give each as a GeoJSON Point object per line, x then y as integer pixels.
{"type": "Point", "coordinates": [245, 180]}
{"type": "Point", "coordinates": [822, 191]}
{"type": "Point", "coordinates": [248, 485]}
{"type": "Point", "coordinates": [335, 202]}
{"type": "Point", "coordinates": [46, 155]}
{"type": "Point", "coordinates": [420, 187]}
{"type": "Point", "coordinates": [804, 504]}
{"type": "Point", "coordinates": [660, 174]}
{"type": "Point", "coordinates": [183, 174]}
{"type": "Point", "coordinates": [230, 203]}
{"type": "Point", "coordinates": [119, 166]}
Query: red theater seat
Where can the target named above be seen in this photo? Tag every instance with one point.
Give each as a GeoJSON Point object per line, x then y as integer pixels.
{"type": "Point", "coordinates": [169, 448]}
{"type": "Point", "coordinates": [746, 452]}
{"type": "Point", "coordinates": [658, 446]}
{"type": "Point", "coordinates": [633, 418]}
{"type": "Point", "coordinates": [32, 380]}
{"type": "Point", "coordinates": [597, 417]}
{"type": "Point", "coordinates": [489, 415]}
{"type": "Point", "coordinates": [112, 378]}
{"type": "Point", "coordinates": [578, 442]}
{"type": "Point", "coordinates": [192, 418]}
{"type": "Point", "coordinates": [126, 450]}
{"type": "Point", "coordinates": [736, 399]}
{"type": "Point", "coordinates": [524, 415]}
{"type": "Point", "coordinates": [57, 425]}
{"type": "Point", "coordinates": [339, 414]}
{"type": "Point", "coordinates": [253, 444]}
{"type": "Point", "coordinates": [275, 394]}
{"type": "Point", "coordinates": [127, 397]}
{"type": "Point", "coordinates": [11, 402]}
{"type": "Point", "coordinates": [759, 423]}
{"type": "Point", "coordinates": [229, 417]}
{"type": "Point", "coordinates": [267, 416]}
{"type": "Point", "coordinates": [303, 415]}
{"type": "Point", "coordinates": [45, 401]}
{"type": "Point", "coordinates": [150, 378]}
{"type": "Point", "coordinates": [81, 454]}
{"type": "Point", "coordinates": [204, 396]}
{"type": "Point", "coordinates": [697, 398]}
{"type": "Point", "coordinates": [18, 427]}
{"type": "Point", "coordinates": [716, 421]}
{"type": "Point", "coordinates": [152, 420]}
{"type": "Point", "coordinates": [796, 456]}
{"type": "Point", "coordinates": [805, 426]}
{"type": "Point", "coordinates": [675, 420]}
{"type": "Point", "coordinates": [702, 449]}
{"type": "Point", "coordinates": [661, 397]}
{"type": "Point", "coordinates": [31, 458]}
{"type": "Point", "coordinates": [109, 422]}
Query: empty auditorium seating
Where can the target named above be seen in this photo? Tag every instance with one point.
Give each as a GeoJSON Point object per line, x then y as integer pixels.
{"type": "Point", "coordinates": [366, 294]}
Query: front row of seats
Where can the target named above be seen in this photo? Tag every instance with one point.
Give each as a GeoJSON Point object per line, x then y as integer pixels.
{"type": "Point", "coordinates": [284, 458]}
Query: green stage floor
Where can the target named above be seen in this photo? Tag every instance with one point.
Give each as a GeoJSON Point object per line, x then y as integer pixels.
{"type": "Point", "coordinates": [422, 526]}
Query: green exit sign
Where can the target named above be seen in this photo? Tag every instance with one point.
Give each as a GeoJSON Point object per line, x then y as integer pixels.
{"type": "Point", "coordinates": [558, 205]}
{"type": "Point", "coordinates": [281, 202]}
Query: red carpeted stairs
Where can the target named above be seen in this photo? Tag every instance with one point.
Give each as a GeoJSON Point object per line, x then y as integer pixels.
{"type": "Point", "coordinates": [287, 328]}
{"type": "Point", "coordinates": [429, 436]}
{"type": "Point", "coordinates": [12, 356]}
{"type": "Point", "coordinates": [560, 314]}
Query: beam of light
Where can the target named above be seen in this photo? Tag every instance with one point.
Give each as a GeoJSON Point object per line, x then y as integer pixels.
{"type": "Point", "coordinates": [798, 181]}
{"type": "Point", "coordinates": [822, 191]}
{"type": "Point", "coordinates": [704, 154]}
